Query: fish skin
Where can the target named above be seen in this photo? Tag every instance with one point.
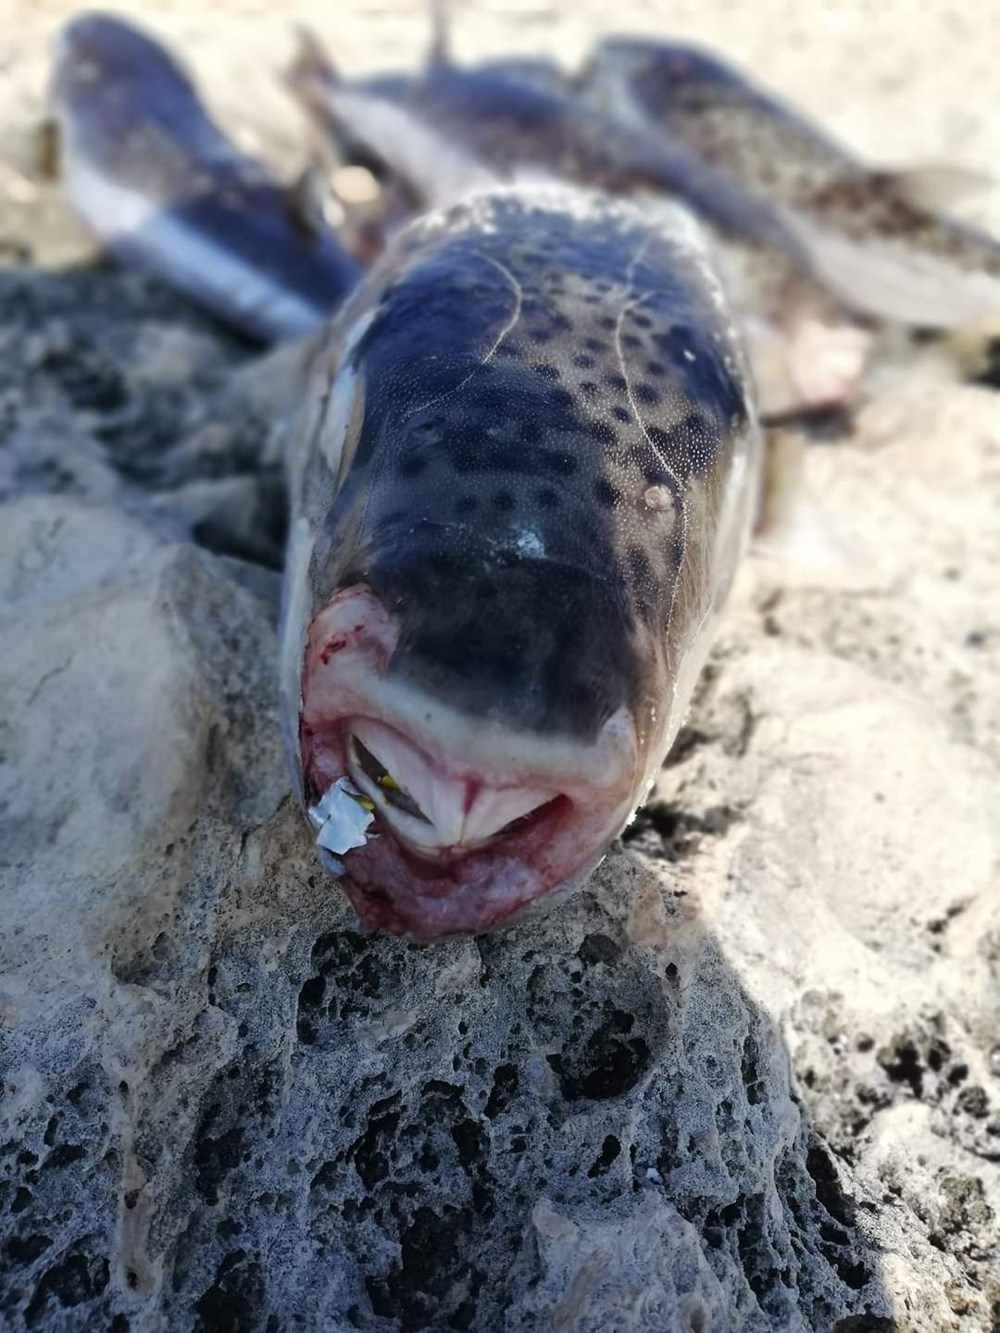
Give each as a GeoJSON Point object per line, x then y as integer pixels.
{"type": "Point", "coordinates": [862, 232]}
{"type": "Point", "coordinates": [717, 112]}
{"type": "Point", "coordinates": [160, 186]}
{"type": "Point", "coordinates": [494, 388]}
{"type": "Point", "coordinates": [545, 480]}
{"type": "Point", "coordinates": [455, 125]}
{"type": "Point", "coordinates": [513, 120]}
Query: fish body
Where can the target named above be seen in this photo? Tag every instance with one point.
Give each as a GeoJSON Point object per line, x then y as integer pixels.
{"type": "Point", "coordinates": [161, 187]}
{"type": "Point", "coordinates": [521, 484]}
{"type": "Point", "coordinates": [522, 472]}
{"type": "Point", "coordinates": [450, 130]}
{"type": "Point", "coordinates": [867, 235]}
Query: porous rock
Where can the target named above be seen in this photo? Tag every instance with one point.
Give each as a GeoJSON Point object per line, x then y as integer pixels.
{"type": "Point", "coordinates": [742, 1081]}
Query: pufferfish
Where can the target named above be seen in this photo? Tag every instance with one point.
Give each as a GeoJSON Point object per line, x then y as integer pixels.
{"type": "Point", "coordinates": [522, 471]}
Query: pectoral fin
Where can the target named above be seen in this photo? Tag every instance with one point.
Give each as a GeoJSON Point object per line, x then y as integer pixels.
{"type": "Point", "coordinates": [938, 187]}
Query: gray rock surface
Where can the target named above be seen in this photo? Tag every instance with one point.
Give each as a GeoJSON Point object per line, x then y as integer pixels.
{"type": "Point", "coordinates": [748, 1079]}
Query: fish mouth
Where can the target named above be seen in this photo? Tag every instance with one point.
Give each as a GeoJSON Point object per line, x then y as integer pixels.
{"type": "Point", "coordinates": [471, 823]}
{"type": "Point", "coordinates": [439, 817]}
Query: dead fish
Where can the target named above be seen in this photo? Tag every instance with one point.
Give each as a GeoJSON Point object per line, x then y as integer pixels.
{"type": "Point", "coordinates": [160, 186]}
{"type": "Point", "coordinates": [523, 470]}
{"type": "Point", "coordinates": [520, 486]}
{"type": "Point", "coordinates": [450, 130]}
{"type": "Point", "coordinates": [874, 238]}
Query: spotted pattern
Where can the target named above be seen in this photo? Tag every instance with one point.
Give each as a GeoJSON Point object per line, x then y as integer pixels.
{"type": "Point", "coordinates": [757, 141]}
{"type": "Point", "coordinates": [552, 404]}
{"type": "Point", "coordinates": [712, 109]}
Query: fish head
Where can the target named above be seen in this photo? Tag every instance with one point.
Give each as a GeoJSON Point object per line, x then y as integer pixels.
{"type": "Point", "coordinates": [480, 619]}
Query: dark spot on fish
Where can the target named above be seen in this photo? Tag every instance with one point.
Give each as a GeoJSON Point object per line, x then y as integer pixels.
{"type": "Point", "coordinates": [640, 570]}
{"type": "Point", "coordinates": [545, 370]}
{"type": "Point", "coordinates": [504, 501]}
{"type": "Point", "coordinates": [700, 428]}
{"type": "Point", "coordinates": [657, 475]}
{"type": "Point", "coordinates": [442, 562]}
{"type": "Point", "coordinates": [595, 344]}
{"type": "Point", "coordinates": [511, 458]}
{"type": "Point", "coordinates": [658, 437]}
{"type": "Point", "coordinates": [646, 393]}
{"type": "Point", "coordinates": [547, 498]}
{"type": "Point", "coordinates": [603, 432]}
{"type": "Point", "coordinates": [551, 461]}
{"type": "Point", "coordinates": [583, 362]}
{"type": "Point", "coordinates": [656, 368]}
{"type": "Point", "coordinates": [620, 414]}
{"type": "Point", "coordinates": [605, 493]}
{"type": "Point", "coordinates": [616, 382]}
{"type": "Point", "coordinates": [540, 335]}
{"type": "Point", "coordinates": [589, 388]}
{"type": "Point", "coordinates": [643, 321]}
{"type": "Point", "coordinates": [561, 398]}
{"type": "Point", "coordinates": [561, 323]}
{"type": "Point", "coordinates": [607, 323]}
{"type": "Point", "coordinates": [630, 340]}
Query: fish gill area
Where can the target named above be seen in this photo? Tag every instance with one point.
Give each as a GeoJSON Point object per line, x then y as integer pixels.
{"type": "Point", "coordinates": [747, 1079]}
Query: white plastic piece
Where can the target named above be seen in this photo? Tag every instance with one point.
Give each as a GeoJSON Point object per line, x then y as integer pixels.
{"type": "Point", "coordinates": [341, 818]}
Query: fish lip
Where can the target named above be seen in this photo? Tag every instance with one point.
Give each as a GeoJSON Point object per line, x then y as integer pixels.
{"type": "Point", "coordinates": [505, 888]}
{"type": "Point", "coordinates": [397, 886]}
{"type": "Point", "coordinates": [427, 894]}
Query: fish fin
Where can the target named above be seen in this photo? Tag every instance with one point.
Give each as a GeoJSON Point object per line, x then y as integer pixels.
{"type": "Point", "coordinates": [938, 187]}
{"type": "Point", "coordinates": [439, 51]}
{"type": "Point", "coordinates": [388, 132]}
{"type": "Point", "coordinates": [311, 60]}
{"type": "Point", "coordinates": [901, 281]}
